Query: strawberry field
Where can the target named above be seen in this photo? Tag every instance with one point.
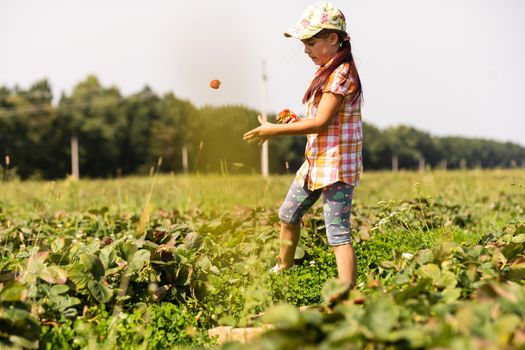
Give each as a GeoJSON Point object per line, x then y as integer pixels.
{"type": "Point", "coordinates": [154, 263]}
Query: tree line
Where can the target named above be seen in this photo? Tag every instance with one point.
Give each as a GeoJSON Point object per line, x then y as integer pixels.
{"type": "Point", "coordinates": [122, 135]}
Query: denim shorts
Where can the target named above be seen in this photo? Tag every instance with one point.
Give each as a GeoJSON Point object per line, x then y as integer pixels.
{"type": "Point", "coordinates": [337, 205]}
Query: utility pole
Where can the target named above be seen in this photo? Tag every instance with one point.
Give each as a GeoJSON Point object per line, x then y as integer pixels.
{"type": "Point", "coordinates": [75, 171]}
{"type": "Point", "coordinates": [264, 149]}
{"type": "Point", "coordinates": [395, 164]}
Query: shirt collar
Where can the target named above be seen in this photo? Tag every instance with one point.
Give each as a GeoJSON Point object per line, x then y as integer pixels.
{"type": "Point", "coordinates": [324, 66]}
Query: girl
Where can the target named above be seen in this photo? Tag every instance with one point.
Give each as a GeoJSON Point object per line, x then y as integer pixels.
{"type": "Point", "coordinates": [334, 138]}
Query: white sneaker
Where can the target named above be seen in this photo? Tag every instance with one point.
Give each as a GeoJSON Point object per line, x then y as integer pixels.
{"type": "Point", "coordinates": [276, 268]}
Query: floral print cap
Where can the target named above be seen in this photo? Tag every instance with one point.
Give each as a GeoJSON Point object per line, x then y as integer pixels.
{"type": "Point", "coordinates": [318, 16]}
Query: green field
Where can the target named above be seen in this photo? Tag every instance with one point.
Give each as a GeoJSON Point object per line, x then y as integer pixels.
{"type": "Point", "coordinates": [155, 262]}
{"type": "Point", "coordinates": [222, 192]}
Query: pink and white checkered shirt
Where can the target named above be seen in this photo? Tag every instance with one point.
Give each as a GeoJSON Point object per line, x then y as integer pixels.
{"type": "Point", "coordinates": [336, 153]}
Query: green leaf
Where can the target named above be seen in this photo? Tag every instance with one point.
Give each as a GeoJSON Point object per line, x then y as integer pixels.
{"type": "Point", "coordinates": [512, 250]}
{"type": "Point", "coordinates": [138, 260]}
{"type": "Point", "coordinates": [99, 291]}
{"type": "Point", "coordinates": [342, 336]}
{"type": "Point", "coordinates": [475, 251]}
{"type": "Point", "coordinates": [227, 321]}
{"type": "Point", "coordinates": [69, 313]}
{"type": "Point", "coordinates": [13, 291]}
{"type": "Point", "coordinates": [59, 289]}
{"type": "Point", "coordinates": [107, 256]}
{"type": "Point", "coordinates": [193, 241]}
{"type": "Point", "coordinates": [203, 263]}
{"type": "Point", "coordinates": [447, 280]}
{"type": "Point", "coordinates": [35, 264]}
{"type": "Point", "coordinates": [505, 326]}
{"type": "Point", "coordinates": [182, 276]}
{"type": "Point", "coordinates": [312, 317]}
{"type": "Point", "coordinates": [57, 244]}
{"type": "Point", "coordinates": [92, 264]}
{"type": "Point", "coordinates": [15, 314]}
{"type": "Point", "coordinates": [387, 264]}
{"type": "Point", "coordinates": [424, 256]}
{"type": "Point", "coordinates": [53, 275]}
{"type": "Point", "coordinates": [23, 342]}
{"type": "Point", "coordinates": [450, 295]}
{"type": "Point", "coordinates": [77, 275]}
{"type": "Point", "coordinates": [127, 249]}
{"type": "Point", "coordinates": [518, 238]}
{"type": "Point", "coordinates": [431, 271]}
{"type": "Point", "coordinates": [471, 272]}
{"type": "Point", "coordinates": [333, 289]}
{"type": "Point", "coordinates": [517, 269]}
{"type": "Point", "coordinates": [282, 316]}
{"type": "Point", "coordinates": [64, 302]}
{"type": "Point", "coordinates": [380, 316]}
{"type": "Point", "coordinates": [416, 337]}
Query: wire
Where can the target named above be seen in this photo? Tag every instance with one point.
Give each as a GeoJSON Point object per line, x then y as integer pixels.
{"type": "Point", "coordinates": [94, 102]}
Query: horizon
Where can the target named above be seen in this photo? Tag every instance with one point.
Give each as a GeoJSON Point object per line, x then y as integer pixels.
{"type": "Point", "coordinates": [56, 100]}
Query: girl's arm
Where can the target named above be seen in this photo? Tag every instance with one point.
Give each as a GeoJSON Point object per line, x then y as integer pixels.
{"type": "Point", "coordinates": [326, 109]}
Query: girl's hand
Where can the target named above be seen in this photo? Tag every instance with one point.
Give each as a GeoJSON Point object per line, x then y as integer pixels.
{"type": "Point", "coordinates": [291, 119]}
{"type": "Point", "coordinates": [259, 134]}
{"type": "Point", "coordinates": [286, 116]}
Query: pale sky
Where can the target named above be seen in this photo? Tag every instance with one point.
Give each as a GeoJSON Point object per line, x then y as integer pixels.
{"type": "Point", "coordinates": [449, 67]}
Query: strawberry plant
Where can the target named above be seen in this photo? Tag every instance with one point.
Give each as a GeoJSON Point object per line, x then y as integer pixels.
{"type": "Point", "coordinates": [433, 271]}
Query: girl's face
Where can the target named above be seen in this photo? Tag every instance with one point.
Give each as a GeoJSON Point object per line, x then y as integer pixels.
{"type": "Point", "coordinates": [321, 50]}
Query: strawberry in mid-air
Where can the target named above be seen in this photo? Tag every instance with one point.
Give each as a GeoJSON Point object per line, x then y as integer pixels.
{"type": "Point", "coordinates": [215, 84]}
{"type": "Point", "coordinates": [286, 116]}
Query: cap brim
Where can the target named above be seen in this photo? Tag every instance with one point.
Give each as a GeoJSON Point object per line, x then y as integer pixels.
{"type": "Point", "coordinates": [300, 32]}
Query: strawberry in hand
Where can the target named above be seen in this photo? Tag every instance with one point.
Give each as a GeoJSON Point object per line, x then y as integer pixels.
{"type": "Point", "coordinates": [286, 116]}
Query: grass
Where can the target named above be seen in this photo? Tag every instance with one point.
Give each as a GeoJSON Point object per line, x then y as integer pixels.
{"type": "Point", "coordinates": [224, 192]}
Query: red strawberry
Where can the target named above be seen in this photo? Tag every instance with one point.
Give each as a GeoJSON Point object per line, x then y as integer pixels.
{"type": "Point", "coordinates": [215, 83]}
{"type": "Point", "coordinates": [286, 116]}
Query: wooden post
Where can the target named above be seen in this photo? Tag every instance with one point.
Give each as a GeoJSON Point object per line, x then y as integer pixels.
{"type": "Point", "coordinates": [444, 164]}
{"type": "Point", "coordinates": [395, 163]}
{"type": "Point", "coordinates": [523, 163]}
{"type": "Point", "coordinates": [421, 165]}
{"type": "Point", "coordinates": [75, 170]}
{"type": "Point", "coordinates": [463, 164]}
{"type": "Point", "coordinates": [184, 159]}
{"type": "Point", "coordinates": [478, 164]}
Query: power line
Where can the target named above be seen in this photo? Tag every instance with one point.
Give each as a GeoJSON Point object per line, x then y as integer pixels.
{"type": "Point", "coordinates": [97, 101]}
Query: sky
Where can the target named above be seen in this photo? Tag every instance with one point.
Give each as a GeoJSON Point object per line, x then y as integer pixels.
{"type": "Point", "coordinates": [448, 67]}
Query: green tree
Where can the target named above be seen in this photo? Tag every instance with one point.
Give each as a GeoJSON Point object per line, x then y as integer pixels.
{"type": "Point", "coordinates": [25, 123]}
{"type": "Point", "coordinates": [142, 110]}
{"type": "Point", "coordinates": [96, 115]}
{"type": "Point", "coordinates": [172, 131]}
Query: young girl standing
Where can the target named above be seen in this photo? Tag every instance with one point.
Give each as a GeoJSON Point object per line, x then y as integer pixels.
{"type": "Point", "coordinates": [334, 138]}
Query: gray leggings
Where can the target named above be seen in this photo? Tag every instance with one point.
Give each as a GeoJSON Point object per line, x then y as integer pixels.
{"type": "Point", "coordinates": [337, 204]}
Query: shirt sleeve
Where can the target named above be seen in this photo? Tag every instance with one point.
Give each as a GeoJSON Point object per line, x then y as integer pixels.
{"type": "Point", "coordinates": [340, 82]}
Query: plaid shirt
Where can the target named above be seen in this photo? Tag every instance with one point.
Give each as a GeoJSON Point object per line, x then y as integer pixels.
{"type": "Point", "coordinates": [334, 154]}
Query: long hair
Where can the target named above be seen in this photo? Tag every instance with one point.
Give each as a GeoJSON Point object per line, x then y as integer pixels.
{"type": "Point", "coordinates": [343, 55]}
